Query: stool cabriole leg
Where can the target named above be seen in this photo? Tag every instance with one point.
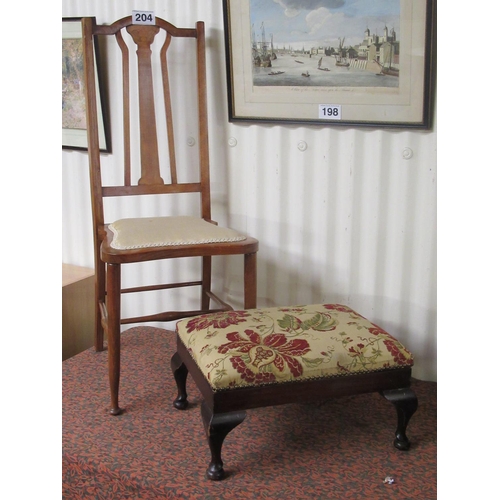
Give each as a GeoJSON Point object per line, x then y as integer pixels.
{"type": "Point", "coordinates": [406, 404]}
{"type": "Point", "coordinates": [180, 375]}
{"type": "Point", "coordinates": [217, 427]}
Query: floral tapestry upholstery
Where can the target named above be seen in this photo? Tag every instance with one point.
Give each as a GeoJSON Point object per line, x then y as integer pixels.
{"type": "Point", "coordinates": [286, 344]}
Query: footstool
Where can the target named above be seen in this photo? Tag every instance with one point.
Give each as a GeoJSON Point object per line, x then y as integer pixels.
{"type": "Point", "coordinates": [263, 357]}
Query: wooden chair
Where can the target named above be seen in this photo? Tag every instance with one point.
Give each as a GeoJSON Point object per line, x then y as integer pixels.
{"type": "Point", "coordinates": [142, 239]}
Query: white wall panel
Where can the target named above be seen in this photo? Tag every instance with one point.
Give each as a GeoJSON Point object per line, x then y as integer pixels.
{"type": "Point", "coordinates": [348, 219]}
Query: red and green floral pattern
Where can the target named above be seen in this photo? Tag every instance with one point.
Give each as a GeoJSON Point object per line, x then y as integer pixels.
{"type": "Point", "coordinates": [284, 344]}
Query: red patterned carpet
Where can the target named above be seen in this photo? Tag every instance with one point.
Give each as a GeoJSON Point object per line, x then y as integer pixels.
{"type": "Point", "coordinates": [337, 449]}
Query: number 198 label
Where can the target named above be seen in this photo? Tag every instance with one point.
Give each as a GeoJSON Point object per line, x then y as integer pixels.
{"type": "Point", "coordinates": [330, 112]}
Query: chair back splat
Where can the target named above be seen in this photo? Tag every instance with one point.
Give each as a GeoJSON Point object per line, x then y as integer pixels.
{"type": "Point", "coordinates": [147, 61]}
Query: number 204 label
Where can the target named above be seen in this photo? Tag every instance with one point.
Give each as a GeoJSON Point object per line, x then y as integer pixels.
{"type": "Point", "coordinates": [143, 17]}
{"type": "Point", "coordinates": [330, 112]}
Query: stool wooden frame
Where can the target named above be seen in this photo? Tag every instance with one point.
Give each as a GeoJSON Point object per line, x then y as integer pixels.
{"type": "Point", "coordinates": [224, 410]}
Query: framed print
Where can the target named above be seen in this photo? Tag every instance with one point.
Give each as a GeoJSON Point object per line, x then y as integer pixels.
{"type": "Point", "coordinates": [330, 62]}
{"type": "Point", "coordinates": [74, 127]}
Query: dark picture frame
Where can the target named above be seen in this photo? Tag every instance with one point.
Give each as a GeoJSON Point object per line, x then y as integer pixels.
{"type": "Point", "coordinates": [278, 72]}
{"type": "Point", "coordinates": [74, 130]}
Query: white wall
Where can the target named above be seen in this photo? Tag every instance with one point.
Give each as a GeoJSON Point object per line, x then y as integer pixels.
{"type": "Point", "coordinates": [347, 220]}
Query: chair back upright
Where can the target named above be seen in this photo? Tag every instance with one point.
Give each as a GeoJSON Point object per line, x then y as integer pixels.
{"type": "Point", "coordinates": [141, 93]}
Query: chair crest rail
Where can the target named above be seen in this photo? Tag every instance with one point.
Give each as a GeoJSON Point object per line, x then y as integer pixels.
{"type": "Point", "coordinates": [112, 29]}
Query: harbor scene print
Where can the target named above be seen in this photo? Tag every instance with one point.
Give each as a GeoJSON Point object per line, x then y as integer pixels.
{"type": "Point", "coordinates": [325, 43]}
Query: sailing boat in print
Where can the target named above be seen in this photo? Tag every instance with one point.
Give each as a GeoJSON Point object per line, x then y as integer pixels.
{"type": "Point", "coordinates": [387, 67]}
{"type": "Point", "coordinates": [319, 65]}
{"type": "Point", "coordinates": [341, 61]}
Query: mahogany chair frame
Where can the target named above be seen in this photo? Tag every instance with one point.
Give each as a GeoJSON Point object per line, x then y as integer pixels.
{"type": "Point", "coordinates": [108, 260]}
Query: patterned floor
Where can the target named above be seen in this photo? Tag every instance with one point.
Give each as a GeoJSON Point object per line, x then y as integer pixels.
{"type": "Point", "coordinates": [335, 449]}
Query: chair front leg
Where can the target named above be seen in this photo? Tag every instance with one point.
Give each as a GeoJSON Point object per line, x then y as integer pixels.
{"type": "Point", "coordinates": [113, 307]}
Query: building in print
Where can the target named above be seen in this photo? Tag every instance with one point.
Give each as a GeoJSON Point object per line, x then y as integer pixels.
{"type": "Point", "coordinates": [376, 48]}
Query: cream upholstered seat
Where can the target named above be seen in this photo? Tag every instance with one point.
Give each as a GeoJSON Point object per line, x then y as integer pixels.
{"type": "Point", "coordinates": [288, 344]}
{"type": "Point", "coordinates": [168, 231]}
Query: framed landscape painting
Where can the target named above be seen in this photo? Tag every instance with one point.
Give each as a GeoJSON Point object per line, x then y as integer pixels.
{"type": "Point", "coordinates": [330, 62]}
{"type": "Point", "coordinates": [74, 126]}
